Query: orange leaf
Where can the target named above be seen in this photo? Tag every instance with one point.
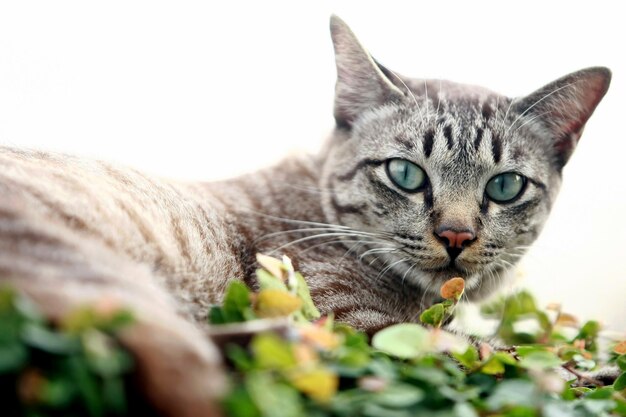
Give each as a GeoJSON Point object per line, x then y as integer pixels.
{"type": "Point", "coordinates": [620, 348]}
{"type": "Point", "coordinates": [453, 288]}
{"type": "Point", "coordinates": [305, 355]}
{"type": "Point", "coordinates": [319, 337]}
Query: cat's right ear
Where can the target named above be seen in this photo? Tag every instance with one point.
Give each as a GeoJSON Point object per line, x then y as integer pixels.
{"type": "Point", "coordinates": [361, 85]}
{"type": "Point", "coordinates": [565, 105]}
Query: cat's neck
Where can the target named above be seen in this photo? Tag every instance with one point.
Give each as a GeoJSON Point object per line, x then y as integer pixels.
{"type": "Point", "coordinates": [289, 191]}
{"type": "Point", "coordinates": [264, 208]}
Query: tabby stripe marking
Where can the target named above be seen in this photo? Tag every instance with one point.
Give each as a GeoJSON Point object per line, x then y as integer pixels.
{"type": "Point", "coordinates": [405, 142]}
{"type": "Point", "coordinates": [447, 133]}
{"type": "Point", "coordinates": [360, 165]}
{"type": "Point", "coordinates": [496, 147]}
{"type": "Point", "coordinates": [429, 138]}
{"type": "Point", "coordinates": [479, 137]}
{"type": "Point", "coordinates": [347, 208]}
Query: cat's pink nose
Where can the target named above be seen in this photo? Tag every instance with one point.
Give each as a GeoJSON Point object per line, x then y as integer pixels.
{"type": "Point", "coordinates": [455, 239]}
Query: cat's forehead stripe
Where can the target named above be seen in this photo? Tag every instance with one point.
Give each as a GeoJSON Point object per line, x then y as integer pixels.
{"type": "Point", "coordinates": [496, 147]}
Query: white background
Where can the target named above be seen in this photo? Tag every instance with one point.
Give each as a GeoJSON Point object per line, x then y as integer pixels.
{"type": "Point", "coordinates": [204, 90]}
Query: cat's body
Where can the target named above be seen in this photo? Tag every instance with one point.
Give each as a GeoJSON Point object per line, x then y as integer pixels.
{"type": "Point", "coordinates": [421, 181]}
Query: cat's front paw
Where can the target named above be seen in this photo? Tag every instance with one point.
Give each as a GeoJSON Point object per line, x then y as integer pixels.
{"type": "Point", "coordinates": [179, 368]}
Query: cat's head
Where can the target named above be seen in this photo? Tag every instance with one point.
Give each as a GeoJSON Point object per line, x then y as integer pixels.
{"type": "Point", "coordinates": [446, 179]}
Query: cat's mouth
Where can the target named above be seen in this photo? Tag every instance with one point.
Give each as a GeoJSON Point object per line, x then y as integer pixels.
{"type": "Point", "coordinates": [450, 270]}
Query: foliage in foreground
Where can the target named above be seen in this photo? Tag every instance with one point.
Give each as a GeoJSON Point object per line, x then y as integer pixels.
{"type": "Point", "coordinates": [75, 368]}
{"type": "Point", "coordinates": [316, 367]}
{"type": "Point", "coordinates": [328, 369]}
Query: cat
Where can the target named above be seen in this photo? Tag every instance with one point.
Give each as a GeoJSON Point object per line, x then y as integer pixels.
{"type": "Point", "coordinates": [420, 181]}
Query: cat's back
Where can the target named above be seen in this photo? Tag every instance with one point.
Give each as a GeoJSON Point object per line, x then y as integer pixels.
{"type": "Point", "coordinates": [178, 230]}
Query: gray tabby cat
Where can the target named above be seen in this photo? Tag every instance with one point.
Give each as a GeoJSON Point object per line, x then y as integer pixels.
{"type": "Point", "coordinates": [420, 181]}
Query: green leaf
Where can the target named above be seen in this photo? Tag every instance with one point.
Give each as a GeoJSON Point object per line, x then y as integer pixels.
{"type": "Point", "coordinates": [512, 393]}
{"type": "Point", "coordinates": [469, 358]}
{"type": "Point", "coordinates": [598, 407]}
{"type": "Point", "coordinates": [87, 386]}
{"type": "Point", "coordinates": [399, 395]}
{"type": "Point", "coordinates": [602, 393]}
{"type": "Point", "coordinates": [309, 310]}
{"type": "Point", "coordinates": [540, 360]}
{"type": "Point", "coordinates": [621, 362]}
{"type": "Point", "coordinates": [620, 382]}
{"type": "Point", "coordinates": [271, 352]}
{"type": "Point", "coordinates": [238, 403]}
{"type": "Point", "coordinates": [273, 399]}
{"type": "Point", "coordinates": [589, 332]}
{"type": "Point", "coordinates": [493, 366]}
{"type": "Point", "coordinates": [114, 395]}
{"type": "Point", "coordinates": [405, 340]}
{"type": "Point", "coordinates": [268, 281]}
{"type": "Point", "coordinates": [236, 302]}
{"type": "Point", "coordinates": [431, 375]}
{"type": "Point", "coordinates": [48, 340]}
{"type": "Point", "coordinates": [434, 315]}
{"type": "Point", "coordinates": [13, 357]}
{"type": "Point", "coordinates": [464, 410]}
{"type": "Point", "coordinates": [57, 392]}
{"type": "Point", "coordinates": [216, 316]}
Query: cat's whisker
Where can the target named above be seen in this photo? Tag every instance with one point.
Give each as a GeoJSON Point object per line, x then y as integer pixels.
{"type": "Point", "coordinates": [377, 250]}
{"type": "Point", "coordinates": [530, 121]}
{"type": "Point", "coordinates": [345, 255]}
{"type": "Point", "coordinates": [438, 98]}
{"type": "Point", "coordinates": [294, 221]}
{"type": "Point", "coordinates": [426, 101]}
{"type": "Point", "coordinates": [332, 242]}
{"type": "Point", "coordinates": [316, 190]}
{"type": "Point", "coordinates": [497, 109]}
{"type": "Point", "coordinates": [388, 267]}
{"type": "Point", "coordinates": [507, 111]}
{"type": "Point", "coordinates": [556, 90]}
{"type": "Point", "coordinates": [426, 292]}
{"type": "Point", "coordinates": [312, 229]}
{"type": "Point", "coordinates": [410, 93]}
{"type": "Point", "coordinates": [307, 238]}
{"type": "Point", "coordinates": [407, 272]}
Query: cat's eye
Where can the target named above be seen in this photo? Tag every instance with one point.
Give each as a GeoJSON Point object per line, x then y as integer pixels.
{"type": "Point", "coordinates": [406, 175]}
{"type": "Point", "coordinates": [504, 188]}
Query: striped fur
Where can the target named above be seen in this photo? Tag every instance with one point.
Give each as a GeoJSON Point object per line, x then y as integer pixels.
{"type": "Point", "coordinates": [76, 231]}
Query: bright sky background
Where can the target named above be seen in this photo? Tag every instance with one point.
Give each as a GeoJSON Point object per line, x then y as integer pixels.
{"type": "Point", "coordinates": [204, 90]}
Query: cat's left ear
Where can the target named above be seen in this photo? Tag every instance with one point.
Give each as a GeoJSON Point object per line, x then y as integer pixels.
{"type": "Point", "coordinates": [361, 85]}
{"type": "Point", "coordinates": [565, 105]}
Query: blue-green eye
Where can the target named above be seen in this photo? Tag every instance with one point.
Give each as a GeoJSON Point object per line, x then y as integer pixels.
{"type": "Point", "coordinates": [405, 174]}
{"type": "Point", "coordinates": [505, 187]}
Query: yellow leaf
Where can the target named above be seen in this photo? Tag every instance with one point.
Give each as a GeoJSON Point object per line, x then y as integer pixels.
{"type": "Point", "coordinates": [318, 383]}
{"type": "Point", "coordinates": [319, 337]}
{"type": "Point", "coordinates": [272, 265]}
{"type": "Point", "coordinates": [620, 348]}
{"type": "Point", "coordinates": [276, 303]}
{"type": "Point", "coordinates": [453, 288]}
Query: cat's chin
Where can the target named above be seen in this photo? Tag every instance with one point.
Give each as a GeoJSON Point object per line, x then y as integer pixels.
{"type": "Point", "coordinates": [432, 278]}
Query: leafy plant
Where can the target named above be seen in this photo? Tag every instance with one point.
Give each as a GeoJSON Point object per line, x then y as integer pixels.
{"type": "Point", "coordinates": [75, 368]}
{"type": "Point", "coordinates": [321, 368]}
{"type": "Point", "coordinates": [317, 367]}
